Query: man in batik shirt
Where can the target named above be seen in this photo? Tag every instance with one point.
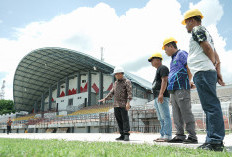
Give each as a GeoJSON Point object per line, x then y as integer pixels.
{"type": "Point", "coordinates": [122, 92]}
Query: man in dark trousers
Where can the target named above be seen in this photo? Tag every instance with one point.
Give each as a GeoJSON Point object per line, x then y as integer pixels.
{"type": "Point", "coordinates": [122, 92]}
{"type": "Point", "coordinates": [204, 64]}
{"type": "Point", "coordinates": [179, 88]}
{"type": "Point", "coordinates": [9, 122]}
{"type": "Point", "coordinates": [161, 96]}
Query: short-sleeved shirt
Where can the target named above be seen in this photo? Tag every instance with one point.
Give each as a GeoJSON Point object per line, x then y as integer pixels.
{"type": "Point", "coordinates": [161, 71]}
{"type": "Point", "coordinates": [9, 122]}
{"type": "Point", "coordinates": [197, 59]}
{"type": "Point", "coordinates": [178, 76]}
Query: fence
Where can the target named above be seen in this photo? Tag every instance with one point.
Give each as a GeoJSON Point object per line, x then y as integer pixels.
{"type": "Point", "coordinates": [142, 119]}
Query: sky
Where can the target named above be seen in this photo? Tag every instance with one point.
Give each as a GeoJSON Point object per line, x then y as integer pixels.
{"type": "Point", "coordinates": [129, 31]}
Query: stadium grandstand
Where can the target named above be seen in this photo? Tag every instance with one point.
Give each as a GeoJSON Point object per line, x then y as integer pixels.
{"type": "Point", "coordinates": [57, 90]}
{"type": "Point", "coordinates": [56, 84]}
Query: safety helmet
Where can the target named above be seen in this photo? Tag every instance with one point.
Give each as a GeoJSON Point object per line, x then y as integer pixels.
{"type": "Point", "coordinates": [155, 55]}
{"type": "Point", "coordinates": [118, 70]}
{"type": "Point", "coordinates": [168, 40]}
{"type": "Point", "coordinates": [192, 13]}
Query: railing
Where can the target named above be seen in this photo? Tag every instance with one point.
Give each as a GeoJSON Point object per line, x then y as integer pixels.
{"type": "Point", "coordinates": [141, 120]}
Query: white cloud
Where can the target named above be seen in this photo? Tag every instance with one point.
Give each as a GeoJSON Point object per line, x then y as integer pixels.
{"type": "Point", "coordinates": [127, 38]}
{"type": "Point", "coordinates": [211, 9]}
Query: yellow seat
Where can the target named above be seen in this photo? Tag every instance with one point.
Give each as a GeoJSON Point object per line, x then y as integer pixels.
{"type": "Point", "coordinates": [27, 117]}
{"type": "Point", "coordinates": [92, 109]}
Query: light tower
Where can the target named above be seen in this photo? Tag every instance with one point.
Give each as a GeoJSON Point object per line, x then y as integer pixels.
{"type": "Point", "coordinates": [102, 59]}
{"type": "Point", "coordinates": [2, 92]}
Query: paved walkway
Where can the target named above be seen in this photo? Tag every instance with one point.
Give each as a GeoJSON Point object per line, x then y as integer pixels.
{"type": "Point", "coordinates": [135, 138]}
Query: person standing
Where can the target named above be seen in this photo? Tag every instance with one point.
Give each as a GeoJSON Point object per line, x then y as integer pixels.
{"type": "Point", "coordinates": [204, 64]}
{"type": "Point", "coordinates": [179, 88]}
{"type": "Point", "coordinates": [122, 92]}
{"type": "Point", "coordinates": [9, 123]}
{"type": "Point", "coordinates": [161, 97]}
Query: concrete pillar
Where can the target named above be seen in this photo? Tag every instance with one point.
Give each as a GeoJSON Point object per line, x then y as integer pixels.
{"type": "Point", "coordinates": [50, 99]}
{"type": "Point", "coordinates": [57, 109]}
{"type": "Point", "coordinates": [100, 86]}
{"type": "Point", "coordinates": [58, 95]}
{"type": "Point", "coordinates": [87, 129]}
{"type": "Point", "coordinates": [42, 103]}
{"type": "Point", "coordinates": [78, 82]}
{"type": "Point", "coordinates": [66, 85]}
{"type": "Point", "coordinates": [89, 88]}
{"type": "Point", "coordinates": [35, 107]}
{"type": "Point", "coordinates": [136, 91]}
{"type": "Point", "coordinates": [58, 89]}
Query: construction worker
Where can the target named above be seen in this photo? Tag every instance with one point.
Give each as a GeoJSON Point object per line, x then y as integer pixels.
{"type": "Point", "coordinates": [204, 64]}
{"type": "Point", "coordinates": [179, 88]}
{"type": "Point", "coordinates": [9, 123]}
{"type": "Point", "coordinates": [122, 92]}
{"type": "Point", "coordinates": [161, 97]}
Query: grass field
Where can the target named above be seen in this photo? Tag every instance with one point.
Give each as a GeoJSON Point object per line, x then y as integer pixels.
{"type": "Point", "coordinates": [62, 148]}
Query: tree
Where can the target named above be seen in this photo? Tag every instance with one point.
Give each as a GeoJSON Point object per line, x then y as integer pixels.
{"type": "Point", "coordinates": [6, 106]}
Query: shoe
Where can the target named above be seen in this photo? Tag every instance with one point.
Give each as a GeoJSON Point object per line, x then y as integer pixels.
{"type": "Point", "coordinates": [160, 138]}
{"type": "Point", "coordinates": [163, 140]}
{"type": "Point", "coordinates": [120, 138]}
{"type": "Point", "coordinates": [126, 138]}
{"type": "Point", "coordinates": [202, 146]}
{"type": "Point", "coordinates": [190, 141]}
{"type": "Point", "coordinates": [211, 146]}
{"type": "Point", "coordinates": [175, 140]}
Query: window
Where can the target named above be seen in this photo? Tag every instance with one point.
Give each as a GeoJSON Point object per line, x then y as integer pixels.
{"type": "Point", "coordinates": [134, 92]}
{"type": "Point", "coordinates": [140, 93]}
{"type": "Point", "coordinates": [70, 102]}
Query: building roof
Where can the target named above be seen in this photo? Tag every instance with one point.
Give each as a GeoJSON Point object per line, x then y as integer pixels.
{"type": "Point", "coordinates": [44, 67]}
{"type": "Point", "coordinates": [138, 80]}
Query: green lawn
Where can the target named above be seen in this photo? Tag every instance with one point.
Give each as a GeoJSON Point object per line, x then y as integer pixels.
{"type": "Point", "coordinates": [62, 148]}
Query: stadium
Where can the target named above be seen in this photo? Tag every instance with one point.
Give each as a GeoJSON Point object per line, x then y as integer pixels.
{"type": "Point", "coordinates": [56, 90]}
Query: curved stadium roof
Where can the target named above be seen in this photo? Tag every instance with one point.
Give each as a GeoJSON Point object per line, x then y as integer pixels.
{"type": "Point", "coordinates": [44, 67]}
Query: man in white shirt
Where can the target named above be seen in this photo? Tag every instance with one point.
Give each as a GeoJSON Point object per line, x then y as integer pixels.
{"type": "Point", "coordinates": [204, 64]}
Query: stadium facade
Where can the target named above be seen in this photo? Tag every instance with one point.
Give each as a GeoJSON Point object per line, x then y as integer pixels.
{"type": "Point", "coordinates": [55, 79]}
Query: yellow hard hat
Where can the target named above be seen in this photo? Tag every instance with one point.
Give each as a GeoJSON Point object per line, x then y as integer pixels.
{"type": "Point", "coordinates": [192, 13]}
{"type": "Point", "coordinates": [168, 40]}
{"type": "Point", "coordinates": [155, 55]}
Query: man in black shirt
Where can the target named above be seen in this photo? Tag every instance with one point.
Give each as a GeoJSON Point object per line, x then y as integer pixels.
{"type": "Point", "coordinates": [161, 96]}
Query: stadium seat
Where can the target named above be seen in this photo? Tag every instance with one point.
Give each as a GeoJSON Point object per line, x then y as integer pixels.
{"type": "Point", "coordinates": [92, 110]}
